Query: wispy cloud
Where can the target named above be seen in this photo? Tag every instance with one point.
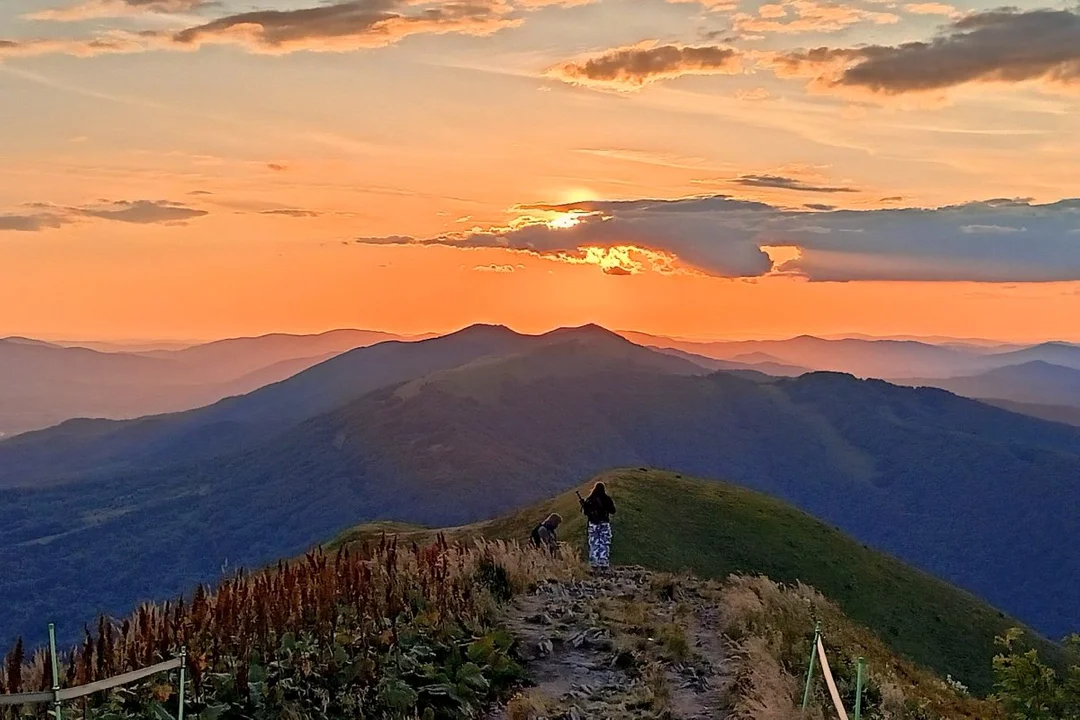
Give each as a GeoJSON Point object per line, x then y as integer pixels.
{"type": "Point", "coordinates": [292, 212]}
{"type": "Point", "coordinates": [932, 8]}
{"type": "Point", "coordinates": [30, 222]}
{"type": "Point", "coordinates": [93, 9]}
{"type": "Point", "coordinates": [647, 157]}
{"type": "Point", "coordinates": [788, 183]}
{"type": "Point", "coordinates": [141, 212]}
{"type": "Point", "coordinates": [710, 5]}
{"type": "Point", "coordinates": [44, 216]}
{"type": "Point", "coordinates": [805, 16]}
{"type": "Point", "coordinates": [991, 229]}
{"type": "Point", "coordinates": [331, 27]}
{"type": "Point", "coordinates": [630, 68]}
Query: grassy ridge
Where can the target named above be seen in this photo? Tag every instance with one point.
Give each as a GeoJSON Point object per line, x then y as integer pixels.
{"type": "Point", "coordinates": [714, 529]}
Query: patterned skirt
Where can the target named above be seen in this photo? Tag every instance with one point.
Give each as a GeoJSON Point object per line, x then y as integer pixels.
{"type": "Point", "coordinates": [599, 544]}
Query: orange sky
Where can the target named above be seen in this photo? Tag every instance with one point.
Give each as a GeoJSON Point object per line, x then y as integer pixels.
{"type": "Point", "coordinates": [157, 189]}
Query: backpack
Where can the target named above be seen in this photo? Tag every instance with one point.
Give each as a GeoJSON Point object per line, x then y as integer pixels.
{"type": "Point", "coordinates": [594, 510]}
{"type": "Point", "coordinates": [536, 536]}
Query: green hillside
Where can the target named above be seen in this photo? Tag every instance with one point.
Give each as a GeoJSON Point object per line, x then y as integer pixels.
{"type": "Point", "coordinates": [668, 522]}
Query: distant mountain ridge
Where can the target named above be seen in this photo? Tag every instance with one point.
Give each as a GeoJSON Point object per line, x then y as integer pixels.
{"type": "Point", "coordinates": [1033, 382]}
{"type": "Point", "coordinates": [43, 384]}
{"type": "Point", "coordinates": [469, 425]}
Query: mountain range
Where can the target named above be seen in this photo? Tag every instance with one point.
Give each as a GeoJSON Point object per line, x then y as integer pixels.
{"type": "Point", "coordinates": [1034, 382]}
{"type": "Point", "coordinates": [43, 384]}
{"type": "Point", "coordinates": [874, 358]}
{"type": "Point", "coordinates": [98, 515]}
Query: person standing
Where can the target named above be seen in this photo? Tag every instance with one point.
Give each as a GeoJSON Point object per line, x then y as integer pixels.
{"type": "Point", "coordinates": [598, 509]}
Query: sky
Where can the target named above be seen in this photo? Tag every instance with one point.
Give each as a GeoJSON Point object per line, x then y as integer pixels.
{"type": "Point", "coordinates": [199, 169]}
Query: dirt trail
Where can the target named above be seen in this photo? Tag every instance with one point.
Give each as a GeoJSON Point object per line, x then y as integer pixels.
{"type": "Point", "coordinates": [631, 644]}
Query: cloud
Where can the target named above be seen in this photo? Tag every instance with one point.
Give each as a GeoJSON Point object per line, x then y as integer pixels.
{"type": "Point", "coordinates": [331, 27]}
{"type": "Point", "coordinates": [753, 95]}
{"type": "Point", "coordinates": [1002, 46]}
{"type": "Point", "coordinates": [345, 26]}
{"type": "Point", "coordinates": [141, 212]}
{"type": "Point", "coordinates": [710, 5]}
{"type": "Point", "coordinates": [93, 9]}
{"type": "Point", "coordinates": [277, 167]}
{"type": "Point", "coordinates": [630, 68]}
{"type": "Point", "coordinates": [494, 268]}
{"type": "Point", "coordinates": [932, 8]}
{"type": "Point", "coordinates": [802, 16]}
{"type": "Point", "coordinates": [788, 183]}
{"type": "Point", "coordinates": [31, 222]}
{"type": "Point", "coordinates": [819, 206]}
{"type": "Point", "coordinates": [647, 157]}
{"type": "Point", "coordinates": [291, 212]}
{"type": "Point", "coordinates": [45, 216]}
{"type": "Point", "coordinates": [727, 237]}
{"type": "Point", "coordinates": [991, 229]}
{"type": "Point", "coordinates": [112, 43]}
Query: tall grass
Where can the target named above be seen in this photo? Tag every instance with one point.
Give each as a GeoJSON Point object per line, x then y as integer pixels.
{"type": "Point", "coordinates": [373, 627]}
{"type": "Point", "coordinates": [772, 627]}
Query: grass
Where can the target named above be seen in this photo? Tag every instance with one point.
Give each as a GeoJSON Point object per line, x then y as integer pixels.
{"type": "Point", "coordinates": [713, 529]}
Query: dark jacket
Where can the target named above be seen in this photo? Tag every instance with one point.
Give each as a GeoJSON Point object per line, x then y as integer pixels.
{"type": "Point", "coordinates": [598, 508]}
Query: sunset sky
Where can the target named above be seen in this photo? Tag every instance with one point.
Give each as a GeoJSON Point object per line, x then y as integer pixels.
{"type": "Point", "coordinates": [197, 169]}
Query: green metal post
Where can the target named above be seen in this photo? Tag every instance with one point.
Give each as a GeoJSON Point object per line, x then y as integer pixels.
{"type": "Point", "coordinates": [55, 671]}
{"type": "Point", "coordinates": [859, 687]}
{"type": "Point", "coordinates": [183, 671]}
{"type": "Point", "coordinates": [810, 669]}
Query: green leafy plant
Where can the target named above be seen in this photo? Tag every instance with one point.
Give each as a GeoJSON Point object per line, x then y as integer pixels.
{"type": "Point", "coordinates": [1031, 690]}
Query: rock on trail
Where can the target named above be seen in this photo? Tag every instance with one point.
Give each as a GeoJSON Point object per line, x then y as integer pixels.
{"type": "Point", "coordinates": [627, 644]}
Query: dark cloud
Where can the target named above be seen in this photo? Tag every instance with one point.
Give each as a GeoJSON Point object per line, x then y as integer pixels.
{"type": "Point", "coordinates": [347, 25]}
{"type": "Point", "coordinates": [1005, 45]}
{"type": "Point", "coordinates": [32, 222]}
{"type": "Point", "coordinates": [787, 183]}
{"type": "Point", "coordinates": [998, 240]}
{"type": "Point", "coordinates": [819, 206]}
{"type": "Point", "coordinates": [331, 27]}
{"type": "Point", "coordinates": [633, 67]}
{"type": "Point", "coordinates": [141, 212]}
{"type": "Point", "coordinates": [277, 167]}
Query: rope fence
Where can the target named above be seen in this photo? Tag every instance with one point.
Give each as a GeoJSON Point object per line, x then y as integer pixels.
{"type": "Point", "coordinates": [57, 695]}
{"type": "Point", "coordinates": [817, 654]}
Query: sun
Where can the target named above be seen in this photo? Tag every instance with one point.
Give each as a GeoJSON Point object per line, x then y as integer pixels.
{"type": "Point", "coordinates": [564, 220]}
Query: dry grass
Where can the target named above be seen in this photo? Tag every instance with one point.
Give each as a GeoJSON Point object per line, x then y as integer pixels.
{"type": "Point", "coordinates": [673, 640]}
{"type": "Point", "coordinates": [530, 705]}
{"type": "Point", "coordinates": [378, 587]}
{"type": "Point", "coordinates": [772, 627]}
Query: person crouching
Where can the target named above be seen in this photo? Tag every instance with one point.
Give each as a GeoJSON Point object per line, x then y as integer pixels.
{"type": "Point", "coordinates": [545, 535]}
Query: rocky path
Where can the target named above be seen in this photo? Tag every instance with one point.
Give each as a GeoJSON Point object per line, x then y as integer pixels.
{"type": "Point", "coordinates": [629, 644]}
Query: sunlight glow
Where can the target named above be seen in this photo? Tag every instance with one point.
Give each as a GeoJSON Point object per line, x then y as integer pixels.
{"type": "Point", "coordinates": [563, 221]}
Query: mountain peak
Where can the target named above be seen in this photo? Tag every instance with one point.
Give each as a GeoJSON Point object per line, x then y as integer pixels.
{"type": "Point", "coordinates": [482, 330]}
{"type": "Point", "coordinates": [589, 331]}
